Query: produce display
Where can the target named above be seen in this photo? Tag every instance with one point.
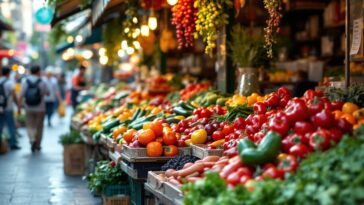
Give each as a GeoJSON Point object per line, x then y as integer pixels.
{"type": "Point", "coordinates": [265, 140]}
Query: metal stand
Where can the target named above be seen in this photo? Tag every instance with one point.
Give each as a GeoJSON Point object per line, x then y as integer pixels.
{"type": "Point", "coordinates": [347, 50]}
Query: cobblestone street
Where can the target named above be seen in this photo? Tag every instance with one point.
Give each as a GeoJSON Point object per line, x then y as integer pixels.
{"type": "Point", "coordinates": [38, 179]}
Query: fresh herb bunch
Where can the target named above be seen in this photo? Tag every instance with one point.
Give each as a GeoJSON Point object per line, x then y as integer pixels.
{"type": "Point", "coordinates": [244, 47]}
{"type": "Point", "coordinates": [234, 112]}
{"type": "Point", "coordinates": [211, 16]}
{"type": "Point", "coordinates": [73, 137]}
{"type": "Point", "coordinates": [329, 178]}
{"type": "Point", "coordinates": [355, 94]}
{"type": "Point", "coordinates": [106, 173]}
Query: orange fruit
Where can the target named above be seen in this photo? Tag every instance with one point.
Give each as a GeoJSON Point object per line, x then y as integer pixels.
{"type": "Point", "coordinates": [147, 125]}
{"type": "Point", "coordinates": [154, 149]}
{"type": "Point", "coordinates": [337, 114]}
{"type": "Point", "coordinates": [157, 128]}
{"type": "Point", "coordinates": [129, 135]}
{"type": "Point", "coordinates": [145, 136]}
{"type": "Point", "coordinates": [169, 138]}
{"type": "Point", "coordinates": [349, 107]}
{"type": "Point", "coordinates": [350, 118]}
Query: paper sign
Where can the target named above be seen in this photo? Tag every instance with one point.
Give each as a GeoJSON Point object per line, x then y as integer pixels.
{"type": "Point", "coordinates": [357, 36]}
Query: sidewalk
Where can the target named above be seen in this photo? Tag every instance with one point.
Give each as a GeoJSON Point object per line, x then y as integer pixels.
{"type": "Point", "coordinates": [38, 179]}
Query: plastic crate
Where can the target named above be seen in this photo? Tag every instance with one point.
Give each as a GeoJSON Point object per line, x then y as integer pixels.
{"type": "Point", "coordinates": [136, 192]}
{"type": "Point", "coordinates": [116, 189]}
{"type": "Point", "coordinates": [116, 200]}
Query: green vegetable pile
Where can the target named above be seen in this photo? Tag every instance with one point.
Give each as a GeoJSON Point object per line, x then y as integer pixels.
{"type": "Point", "coordinates": [234, 112]}
{"type": "Point", "coordinates": [106, 173]}
{"type": "Point", "coordinates": [355, 94]}
{"type": "Point", "coordinates": [329, 178]}
{"type": "Point", "coordinates": [73, 137]}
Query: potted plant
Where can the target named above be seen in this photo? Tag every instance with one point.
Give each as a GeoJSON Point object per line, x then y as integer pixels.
{"type": "Point", "coordinates": [246, 53]}
{"type": "Point", "coordinates": [73, 153]}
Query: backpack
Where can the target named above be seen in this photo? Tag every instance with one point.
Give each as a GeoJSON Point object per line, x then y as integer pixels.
{"type": "Point", "coordinates": [3, 97]}
{"type": "Point", "coordinates": [33, 94]}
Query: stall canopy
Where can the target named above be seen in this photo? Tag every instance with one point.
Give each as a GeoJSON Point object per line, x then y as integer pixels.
{"type": "Point", "coordinates": [65, 9]}
{"type": "Point", "coordinates": [102, 10]}
{"type": "Point", "coordinates": [94, 38]}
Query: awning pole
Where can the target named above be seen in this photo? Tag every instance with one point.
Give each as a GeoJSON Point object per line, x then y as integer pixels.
{"type": "Point", "coordinates": [347, 50]}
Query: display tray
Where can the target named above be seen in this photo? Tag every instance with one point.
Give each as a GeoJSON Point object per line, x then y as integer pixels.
{"type": "Point", "coordinates": [76, 124]}
{"type": "Point", "coordinates": [173, 192]}
{"type": "Point", "coordinates": [140, 154]}
{"type": "Point", "coordinates": [162, 198]}
{"type": "Point", "coordinates": [110, 144]}
{"type": "Point", "coordinates": [87, 138]}
{"type": "Point", "coordinates": [155, 181]}
{"type": "Point", "coordinates": [115, 156]}
{"type": "Point", "coordinates": [139, 171]}
{"type": "Point", "coordinates": [201, 151]}
{"type": "Point", "coordinates": [104, 152]}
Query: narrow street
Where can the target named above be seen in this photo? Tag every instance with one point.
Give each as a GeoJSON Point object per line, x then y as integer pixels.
{"type": "Point", "coordinates": [38, 179]}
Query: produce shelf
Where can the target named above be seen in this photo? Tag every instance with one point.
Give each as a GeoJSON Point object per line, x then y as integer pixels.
{"type": "Point", "coordinates": [201, 151]}
{"type": "Point", "coordinates": [161, 197]}
{"type": "Point", "coordinates": [115, 156]}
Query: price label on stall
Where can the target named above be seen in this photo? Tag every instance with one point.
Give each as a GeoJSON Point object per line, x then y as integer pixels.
{"type": "Point", "coordinates": [357, 36]}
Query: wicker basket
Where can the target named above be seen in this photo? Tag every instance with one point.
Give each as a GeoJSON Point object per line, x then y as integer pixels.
{"type": "Point", "coordinates": [116, 200]}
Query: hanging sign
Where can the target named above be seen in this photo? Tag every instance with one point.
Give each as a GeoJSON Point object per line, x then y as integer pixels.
{"type": "Point", "coordinates": [44, 15]}
{"type": "Point", "coordinates": [357, 36]}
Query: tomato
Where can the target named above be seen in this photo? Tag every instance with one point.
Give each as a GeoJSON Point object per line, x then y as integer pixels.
{"type": "Point", "coordinates": [199, 136]}
{"type": "Point", "coordinates": [299, 150]}
{"type": "Point", "coordinates": [239, 123]}
{"type": "Point", "coordinates": [349, 107]}
{"type": "Point", "coordinates": [159, 139]}
{"type": "Point", "coordinates": [129, 135]}
{"type": "Point", "coordinates": [219, 110]}
{"type": "Point", "coordinates": [302, 127]}
{"type": "Point", "coordinates": [272, 100]}
{"type": "Point", "coordinates": [169, 138]}
{"type": "Point", "coordinates": [154, 149]}
{"type": "Point", "coordinates": [336, 134]}
{"type": "Point", "coordinates": [227, 129]}
{"type": "Point", "coordinates": [233, 179]}
{"type": "Point", "coordinates": [217, 135]}
{"type": "Point", "coordinates": [273, 173]}
{"type": "Point", "coordinates": [279, 123]}
{"type": "Point", "coordinates": [288, 164]}
{"type": "Point", "coordinates": [170, 151]}
{"type": "Point", "coordinates": [157, 128]}
{"type": "Point", "coordinates": [145, 136]}
{"type": "Point", "coordinates": [310, 94]}
{"type": "Point", "coordinates": [283, 91]}
{"type": "Point", "coordinates": [320, 140]}
{"type": "Point", "coordinates": [296, 110]}
{"type": "Point", "coordinates": [259, 108]}
{"type": "Point", "coordinates": [337, 105]}
{"type": "Point", "coordinates": [324, 119]}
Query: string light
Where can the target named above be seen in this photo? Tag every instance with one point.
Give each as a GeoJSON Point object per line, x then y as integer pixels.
{"type": "Point", "coordinates": [102, 51]}
{"type": "Point", "coordinates": [144, 30]}
{"type": "Point", "coordinates": [103, 60]}
{"type": "Point", "coordinates": [152, 21]}
{"type": "Point", "coordinates": [172, 2]}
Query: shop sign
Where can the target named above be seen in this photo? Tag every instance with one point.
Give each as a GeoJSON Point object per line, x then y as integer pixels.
{"type": "Point", "coordinates": [44, 15]}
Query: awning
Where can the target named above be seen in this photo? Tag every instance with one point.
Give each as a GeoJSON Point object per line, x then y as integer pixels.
{"type": "Point", "coordinates": [103, 9]}
{"type": "Point", "coordinates": [94, 38]}
{"type": "Point", "coordinates": [65, 9]}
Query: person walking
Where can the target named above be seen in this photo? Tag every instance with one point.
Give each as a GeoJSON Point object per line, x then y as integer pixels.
{"type": "Point", "coordinates": [33, 92]}
{"type": "Point", "coordinates": [79, 83]}
{"type": "Point", "coordinates": [7, 99]}
{"type": "Point", "coordinates": [53, 97]}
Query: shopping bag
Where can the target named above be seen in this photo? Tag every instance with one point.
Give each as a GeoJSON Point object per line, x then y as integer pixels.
{"type": "Point", "coordinates": [61, 110]}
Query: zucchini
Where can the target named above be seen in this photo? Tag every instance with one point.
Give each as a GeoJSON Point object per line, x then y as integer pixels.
{"type": "Point", "coordinates": [181, 111]}
{"type": "Point", "coordinates": [110, 124]}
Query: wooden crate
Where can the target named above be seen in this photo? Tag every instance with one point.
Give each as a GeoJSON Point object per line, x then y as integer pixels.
{"type": "Point", "coordinates": [155, 181]}
{"type": "Point", "coordinates": [172, 192]}
{"type": "Point", "coordinates": [116, 200]}
{"type": "Point", "coordinates": [141, 152]}
{"type": "Point", "coordinates": [74, 159]}
{"type": "Point", "coordinates": [201, 151]}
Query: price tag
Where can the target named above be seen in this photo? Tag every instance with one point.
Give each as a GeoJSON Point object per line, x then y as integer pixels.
{"type": "Point", "coordinates": [357, 36]}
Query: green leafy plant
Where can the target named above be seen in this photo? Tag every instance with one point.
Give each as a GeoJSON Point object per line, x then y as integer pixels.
{"type": "Point", "coordinates": [73, 137]}
{"type": "Point", "coordinates": [106, 173]}
{"type": "Point", "coordinates": [244, 47]}
{"type": "Point", "coordinates": [354, 94]}
{"type": "Point", "coordinates": [324, 178]}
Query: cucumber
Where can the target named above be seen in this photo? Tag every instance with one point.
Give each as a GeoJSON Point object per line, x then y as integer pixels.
{"type": "Point", "coordinates": [185, 106]}
{"type": "Point", "coordinates": [172, 120]}
{"type": "Point", "coordinates": [110, 124]}
{"type": "Point", "coordinates": [181, 111]}
{"type": "Point", "coordinates": [136, 113]}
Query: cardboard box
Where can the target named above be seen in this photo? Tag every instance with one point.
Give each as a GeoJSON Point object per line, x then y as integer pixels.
{"type": "Point", "coordinates": [74, 159]}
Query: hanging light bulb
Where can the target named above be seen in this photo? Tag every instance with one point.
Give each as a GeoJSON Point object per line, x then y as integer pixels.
{"type": "Point", "coordinates": [130, 50]}
{"type": "Point", "coordinates": [152, 21]}
{"type": "Point", "coordinates": [103, 60]}
{"type": "Point", "coordinates": [136, 45]}
{"type": "Point", "coordinates": [124, 45]}
{"type": "Point", "coordinates": [172, 2]}
{"type": "Point", "coordinates": [135, 20]}
{"type": "Point", "coordinates": [102, 51]}
{"type": "Point", "coordinates": [144, 30]}
{"type": "Point", "coordinates": [126, 30]}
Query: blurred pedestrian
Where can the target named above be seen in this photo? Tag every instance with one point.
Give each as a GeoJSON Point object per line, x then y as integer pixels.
{"type": "Point", "coordinates": [79, 83]}
{"type": "Point", "coordinates": [7, 99]}
{"type": "Point", "coordinates": [54, 96]}
{"type": "Point", "coordinates": [33, 92]}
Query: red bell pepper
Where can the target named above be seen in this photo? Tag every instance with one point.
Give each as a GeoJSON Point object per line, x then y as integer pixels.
{"type": "Point", "coordinates": [288, 164]}
{"type": "Point", "coordinates": [296, 110]}
{"type": "Point", "coordinates": [302, 127]}
{"type": "Point", "coordinates": [299, 150]}
{"type": "Point", "coordinates": [259, 108]}
{"type": "Point", "coordinates": [315, 105]}
{"type": "Point", "coordinates": [324, 119]}
{"type": "Point", "coordinates": [320, 140]}
{"type": "Point", "coordinates": [279, 123]}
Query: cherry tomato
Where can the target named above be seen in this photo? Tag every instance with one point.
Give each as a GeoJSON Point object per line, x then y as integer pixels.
{"type": "Point", "coordinates": [228, 129]}
{"type": "Point", "coordinates": [239, 123]}
{"type": "Point", "coordinates": [299, 150]}
{"type": "Point", "coordinates": [217, 135]}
